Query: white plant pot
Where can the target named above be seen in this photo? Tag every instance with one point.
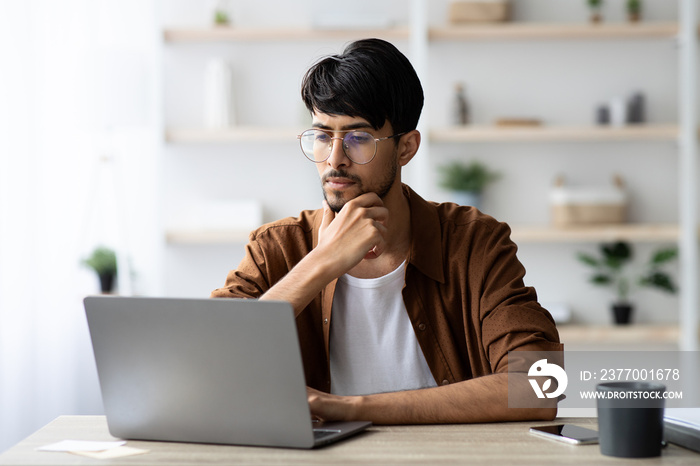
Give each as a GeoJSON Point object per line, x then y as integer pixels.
{"type": "Point", "coordinates": [470, 198]}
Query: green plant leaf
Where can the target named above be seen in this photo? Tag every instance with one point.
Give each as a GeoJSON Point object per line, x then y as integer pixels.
{"type": "Point", "coordinates": [664, 255]}
{"type": "Point", "coordinates": [601, 279]}
{"type": "Point", "coordinates": [660, 280]}
{"type": "Point", "coordinates": [103, 261]}
{"type": "Point", "coordinates": [613, 263]}
{"type": "Point", "coordinates": [588, 259]}
{"type": "Point", "coordinates": [473, 177]}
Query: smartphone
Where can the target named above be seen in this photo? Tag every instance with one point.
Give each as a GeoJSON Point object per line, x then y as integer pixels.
{"type": "Point", "coordinates": [574, 435]}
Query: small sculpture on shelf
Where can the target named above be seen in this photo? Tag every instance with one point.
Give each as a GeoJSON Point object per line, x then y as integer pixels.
{"type": "Point", "coordinates": [104, 262]}
{"type": "Point", "coordinates": [636, 109]}
{"type": "Point", "coordinates": [466, 182]}
{"type": "Point", "coordinates": [619, 112]}
{"type": "Point", "coordinates": [611, 270]}
{"type": "Point", "coordinates": [595, 7]}
{"type": "Point", "coordinates": [460, 106]}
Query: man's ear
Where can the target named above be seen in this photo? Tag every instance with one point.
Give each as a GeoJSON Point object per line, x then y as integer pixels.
{"type": "Point", "coordinates": [408, 146]}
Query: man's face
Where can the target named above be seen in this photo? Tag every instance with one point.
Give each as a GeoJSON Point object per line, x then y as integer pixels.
{"type": "Point", "coordinates": [343, 180]}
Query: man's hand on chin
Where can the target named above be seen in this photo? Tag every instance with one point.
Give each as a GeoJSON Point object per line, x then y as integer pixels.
{"type": "Point", "coordinates": [355, 233]}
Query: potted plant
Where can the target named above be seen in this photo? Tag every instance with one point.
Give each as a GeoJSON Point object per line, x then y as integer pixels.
{"type": "Point", "coordinates": [221, 15]}
{"type": "Point", "coordinates": [104, 262]}
{"type": "Point", "coordinates": [466, 182]}
{"type": "Point", "coordinates": [595, 6]}
{"type": "Point", "coordinates": [634, 10]}
{"type": "Point", "coordinates": [611, 270]}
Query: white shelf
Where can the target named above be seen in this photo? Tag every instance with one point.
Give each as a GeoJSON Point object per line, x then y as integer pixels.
{"type": "Point", "coordinates": [234, 134]}
{"type": "Point", "coordinates": [234, 34]}
{"type": "Point", "coordinates": [619, 334]}
{"type": "Point", "coordinates": [201, 237]}
{"type": "Point", "coordinates": [601, 233]}
{"type": "Point", "coordinates": [518, 30]}
{"type": "Point", "coordinates": [554, 133]}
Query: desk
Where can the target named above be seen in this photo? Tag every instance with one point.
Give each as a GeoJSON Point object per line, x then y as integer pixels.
{"type": "Point", "coordinates": [500, 443]}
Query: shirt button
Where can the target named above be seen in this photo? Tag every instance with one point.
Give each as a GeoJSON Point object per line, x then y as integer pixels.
{"type": "Point", "coordinates": [421, 326]}
{"type": "Point", "coordinates": [445, 382]}
{"type": "Point", "coordinates": [325, 321]}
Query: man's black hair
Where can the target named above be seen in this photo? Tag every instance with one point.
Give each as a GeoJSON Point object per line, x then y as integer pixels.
{"type": "Point", "coordinates": [371, 79]}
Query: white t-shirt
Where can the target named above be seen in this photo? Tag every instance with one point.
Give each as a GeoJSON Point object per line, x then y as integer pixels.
{"type": "Point", "coordinates": [373, 347]}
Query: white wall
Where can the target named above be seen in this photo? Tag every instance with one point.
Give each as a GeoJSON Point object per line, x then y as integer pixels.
{"type": "Point", "coordinates": [58, 201]}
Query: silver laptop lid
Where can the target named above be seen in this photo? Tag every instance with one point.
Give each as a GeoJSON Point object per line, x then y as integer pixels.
{"type": "Point", "coordinates": [200, 370]}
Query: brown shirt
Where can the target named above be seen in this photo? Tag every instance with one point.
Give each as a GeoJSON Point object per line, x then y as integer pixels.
{"type": "Point", "coordinates": [464, 291]}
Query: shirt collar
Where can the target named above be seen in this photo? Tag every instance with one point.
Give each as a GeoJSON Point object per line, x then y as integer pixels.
{"type": "Point", "coordinates": [426, 246]}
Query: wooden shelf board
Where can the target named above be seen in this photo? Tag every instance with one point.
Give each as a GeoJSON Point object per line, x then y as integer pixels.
{"type": "Point", "coordinates": [234, 134]}
{"type": "Point", "coordinates": [514, 30]}
{"type": "Point", "coordinates": [234, 34]}
{"type": "Point", "coordinates": [446, 134]}
{"type": "Point", "coordinates": [517, 30]}
{"type": "Point", "coordinates": [628, 232]}
{"type": "Point", "coordinates": [624, 334]}
{"type": "Point", "coordinates": [202, 237]}
{"type": "Point", "coordinates": [520, 234]}
{"type": "Point", "coordinates": [494, 133]}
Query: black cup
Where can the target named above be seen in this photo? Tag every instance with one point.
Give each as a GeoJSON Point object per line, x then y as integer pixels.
{"type": "Point", "coordinates": [630, 419]}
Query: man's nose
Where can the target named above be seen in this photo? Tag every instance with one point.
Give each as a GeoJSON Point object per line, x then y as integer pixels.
{"type": "Point", "coordinates": [338, 158]}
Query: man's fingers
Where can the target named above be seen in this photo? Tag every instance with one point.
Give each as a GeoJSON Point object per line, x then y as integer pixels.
{"type": "Point", "coordinates": [328, 216]}
{"type": "Point", "coordinates": [380, 246]}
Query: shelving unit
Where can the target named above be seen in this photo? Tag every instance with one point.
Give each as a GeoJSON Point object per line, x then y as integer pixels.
{"type": "Point", "coordinates": [421, 38]}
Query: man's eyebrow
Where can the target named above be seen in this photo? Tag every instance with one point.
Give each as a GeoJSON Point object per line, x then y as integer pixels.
{"type": "Point", "coordinates": [358, 125]}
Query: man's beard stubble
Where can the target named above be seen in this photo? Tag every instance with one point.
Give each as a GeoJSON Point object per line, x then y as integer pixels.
{"type": "Point", "coordinates": [337, 203]}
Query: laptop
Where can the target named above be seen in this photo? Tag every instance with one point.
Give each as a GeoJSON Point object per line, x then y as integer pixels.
{"type": "Point", "coordinates": [225, 371]}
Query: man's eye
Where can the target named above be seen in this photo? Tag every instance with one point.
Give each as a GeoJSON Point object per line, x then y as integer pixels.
{"type": "Point", "coordinates": [360, 138]}
{"type": "Point", "coordinates": [322, 137]}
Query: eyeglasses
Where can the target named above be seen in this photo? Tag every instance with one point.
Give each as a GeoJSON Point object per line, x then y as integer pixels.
{"type": "Point", "coordinates": [359, 146]}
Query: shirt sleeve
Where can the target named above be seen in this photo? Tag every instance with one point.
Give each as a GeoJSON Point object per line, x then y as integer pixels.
{"type": "Point", "coordinates": [511, 317]}
{"type": "Point", "coordinates": [249, 280]}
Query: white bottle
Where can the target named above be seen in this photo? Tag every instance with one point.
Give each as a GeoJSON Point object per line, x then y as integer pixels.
{"type": "Point", "coordinates": [218, 95]}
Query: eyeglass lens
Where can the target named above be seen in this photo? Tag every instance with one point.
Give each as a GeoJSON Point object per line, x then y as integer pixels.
{"type": "Point", "coordinates": [317, 145]}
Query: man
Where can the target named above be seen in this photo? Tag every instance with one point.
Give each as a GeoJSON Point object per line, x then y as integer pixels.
{"type": "Point", "coordinates": [405, 309]}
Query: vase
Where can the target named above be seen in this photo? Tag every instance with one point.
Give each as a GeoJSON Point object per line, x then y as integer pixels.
{"type": "Point", "coordinates": [622, 313]}
{"type": "Point", "coordinates": [107, 282]}
{"type": "Point", "coordinates": [471, 198]}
